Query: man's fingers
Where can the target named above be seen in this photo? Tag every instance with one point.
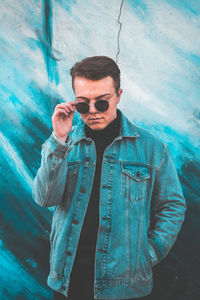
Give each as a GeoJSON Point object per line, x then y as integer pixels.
{"type": "Point", "coordinates": [70, 103]}
{"type": "Point", "coordinates": [68, 106]}
{"type": "Point", "coordinates": [60, 111]}
{"type": "Point", "coordinates": [72, 106]}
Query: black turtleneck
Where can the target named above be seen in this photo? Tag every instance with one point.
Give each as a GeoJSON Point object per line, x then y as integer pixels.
{"type": "Point", "coordinates": [102, 139]}
{"type": "Point", "coordinates": [82, 276]}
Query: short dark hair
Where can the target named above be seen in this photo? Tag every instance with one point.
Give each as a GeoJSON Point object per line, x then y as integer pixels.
{"type": "Point", "coordinates": [95, 68]}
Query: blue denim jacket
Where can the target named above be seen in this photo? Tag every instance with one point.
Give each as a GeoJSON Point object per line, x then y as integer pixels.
{"type": "Point", "coordinates": [141, 208]}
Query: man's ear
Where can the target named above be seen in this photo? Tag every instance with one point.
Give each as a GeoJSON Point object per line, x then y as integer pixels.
{"type": "Point", "coordinates": [119, 95]}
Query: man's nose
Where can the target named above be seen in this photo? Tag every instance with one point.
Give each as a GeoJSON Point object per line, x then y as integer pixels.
{"type": "Point", "coordinates": [92, 108]}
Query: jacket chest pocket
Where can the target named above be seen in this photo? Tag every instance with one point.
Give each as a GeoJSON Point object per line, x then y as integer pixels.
{"type": "Point", "coordinates": [134, 181]}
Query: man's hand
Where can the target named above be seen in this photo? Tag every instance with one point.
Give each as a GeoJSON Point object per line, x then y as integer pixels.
{"type": "Point", "coordinates": [62, 120]}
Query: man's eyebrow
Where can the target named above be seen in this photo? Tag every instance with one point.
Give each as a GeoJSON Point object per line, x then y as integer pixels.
{"type": "Point", "coordinates": [97, 98]}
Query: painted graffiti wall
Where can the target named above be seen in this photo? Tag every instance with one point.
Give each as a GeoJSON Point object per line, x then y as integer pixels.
{"type": "Point", "coordinates": [157, 47]}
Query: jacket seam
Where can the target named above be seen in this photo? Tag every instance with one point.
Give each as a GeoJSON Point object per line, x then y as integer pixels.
{"type": "Point", "coordinates": [51, 185]}
{"type": "Point", "coordinates": [163, 159]}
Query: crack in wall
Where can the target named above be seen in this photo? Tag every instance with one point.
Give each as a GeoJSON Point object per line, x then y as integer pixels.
{"type": "Point", "coordinates": [120, 27]}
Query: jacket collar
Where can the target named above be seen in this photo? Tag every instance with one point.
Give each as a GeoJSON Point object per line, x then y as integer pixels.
{"type": "Point", "coordinates": [127, 129]}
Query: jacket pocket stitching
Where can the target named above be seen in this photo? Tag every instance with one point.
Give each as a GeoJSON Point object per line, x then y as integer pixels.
{"type": "Point", "coordinates": [134, 179]}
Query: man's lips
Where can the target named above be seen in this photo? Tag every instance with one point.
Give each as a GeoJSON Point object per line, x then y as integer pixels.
{"type": "Point", "coordinates": [95, 119]}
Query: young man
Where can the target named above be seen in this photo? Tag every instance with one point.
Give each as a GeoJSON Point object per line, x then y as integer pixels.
{"type": "Point", "coordinates": [119, 204]}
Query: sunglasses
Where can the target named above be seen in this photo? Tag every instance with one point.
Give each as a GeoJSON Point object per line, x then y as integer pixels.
{"type": "Point", "coordinates": [100, 105]}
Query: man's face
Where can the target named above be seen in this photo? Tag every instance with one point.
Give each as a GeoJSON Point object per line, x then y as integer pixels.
{"type": "Point", "coordinates": [90, 91]}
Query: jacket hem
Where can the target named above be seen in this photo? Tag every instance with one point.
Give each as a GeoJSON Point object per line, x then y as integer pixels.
{"type": "Point", "coordinates": [107, 289]}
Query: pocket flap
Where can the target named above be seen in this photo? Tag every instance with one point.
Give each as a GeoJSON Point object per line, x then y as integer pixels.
{"type": "Point", "coordinates": [138, 173]}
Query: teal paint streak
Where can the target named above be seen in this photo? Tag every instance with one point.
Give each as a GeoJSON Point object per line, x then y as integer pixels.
{"type": "Point", "coordinates": [186, 6]}
{"type": "Point", "coordinates": [50, 60]}
{"type": "Point", "coordinates": [26, 247]}
{"type": "Point", "coordinates": [181, 146]}
{"type": "Point", "coordinates": [137, 4]}
{"type": "Point", "coordinates": [194, 58]}
{"type": "Point", "coordinates": [140, 8]}
{"type": "Point", "coordinates": [67, 4]}
{"type": "Point", "coordinates": [25, 123]}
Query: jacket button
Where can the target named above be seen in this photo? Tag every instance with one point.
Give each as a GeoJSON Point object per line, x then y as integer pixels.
{"type": "Point", "coordinates": [69, 253]}
{"type": "Point", "coordinates": [82, 190]}
{"type": "Point", "coordinates": [138, 174]}
{"type": "Point", "coordinates": [109, 157]}
{"type": "Point", "coordinates": [102, 251]}
{"type": "Point", "coordinates": [105, 186]}
{"type": "Point", "coordinates": [87, 159]}
{"type": "Point", "coordinates": [74, 221]}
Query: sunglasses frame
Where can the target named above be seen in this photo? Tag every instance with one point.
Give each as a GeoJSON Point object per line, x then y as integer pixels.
{"type": "Point", "coordinates": [96, 106]}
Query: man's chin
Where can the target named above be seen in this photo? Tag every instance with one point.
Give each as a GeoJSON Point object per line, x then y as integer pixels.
{"type": "Point", "coordinates": [96, 126]}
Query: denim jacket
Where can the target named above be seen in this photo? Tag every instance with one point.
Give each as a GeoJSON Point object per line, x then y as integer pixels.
{"type": "Point", "coordinates": [141, 208]}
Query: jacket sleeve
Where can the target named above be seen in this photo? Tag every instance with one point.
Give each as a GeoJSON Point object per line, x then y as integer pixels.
{"type": "Point", "coordinates": [49, 183]}
{"type": "Point", "coordinates": [168, 209]}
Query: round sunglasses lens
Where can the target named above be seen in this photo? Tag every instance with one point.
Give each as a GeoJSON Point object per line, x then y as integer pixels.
{"type": "Point", "coordinates": [82, 107]}
{"type": "Point", "coordinates": [102, 105]}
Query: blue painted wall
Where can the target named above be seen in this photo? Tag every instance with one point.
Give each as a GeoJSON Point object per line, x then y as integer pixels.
{"type": "Point", "coordinates": [156, 44]}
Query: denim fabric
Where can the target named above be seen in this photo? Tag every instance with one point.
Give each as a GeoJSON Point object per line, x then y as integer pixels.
{"type": "Point", "coordinates": [141, 208]}
{"type": "Point", "coordinates": [58, 296]}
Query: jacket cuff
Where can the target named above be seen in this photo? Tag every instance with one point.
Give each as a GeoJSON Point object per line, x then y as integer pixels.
{"type": "Point", "coordinates": [57, 147]}
{"type": "Point", "coordinates": [57, 140]}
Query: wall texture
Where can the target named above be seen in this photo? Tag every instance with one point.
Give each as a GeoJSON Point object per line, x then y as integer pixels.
{"type": "Point", "coordinates": [157, 47]}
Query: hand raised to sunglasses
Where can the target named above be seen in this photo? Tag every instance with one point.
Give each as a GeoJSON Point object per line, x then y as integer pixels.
{"type": "Point", "coordinates": [62, 119]}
